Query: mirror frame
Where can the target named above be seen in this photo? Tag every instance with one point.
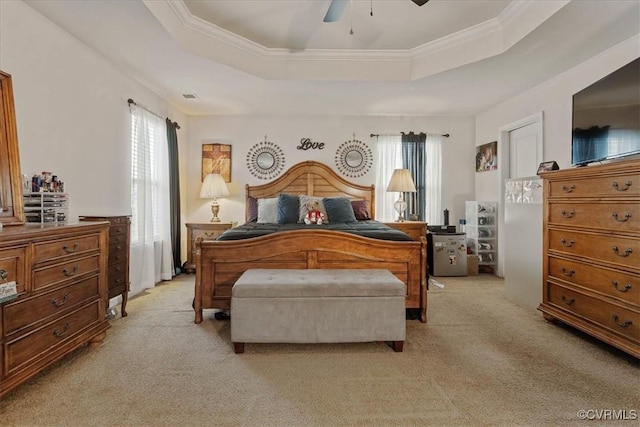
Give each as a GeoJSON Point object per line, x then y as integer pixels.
{"type": "Point", "coordinates": [10, 176]}
{"type": "Point", "coordinates": [271, 149]}
{"type": "Point", "coordinates": [353, 146]}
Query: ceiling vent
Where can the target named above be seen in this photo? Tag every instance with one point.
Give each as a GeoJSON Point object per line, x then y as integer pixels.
{"type": "Point", "coordinates": [189, 96]}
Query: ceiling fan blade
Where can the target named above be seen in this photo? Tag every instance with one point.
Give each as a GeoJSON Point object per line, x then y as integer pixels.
{"type": "Point", "coordinates": [335, 10]}
{"type": "Point", "coordinates": [420, 2]}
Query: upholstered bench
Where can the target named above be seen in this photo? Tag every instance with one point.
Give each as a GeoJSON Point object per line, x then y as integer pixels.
{"type": "Point", "coordinates": [317, 306]}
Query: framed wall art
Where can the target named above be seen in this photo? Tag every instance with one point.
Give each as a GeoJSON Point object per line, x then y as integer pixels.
{"type": "Point", "coordinates": [487, 157]}
{"type": "Point", "coordinates": [216, 158]}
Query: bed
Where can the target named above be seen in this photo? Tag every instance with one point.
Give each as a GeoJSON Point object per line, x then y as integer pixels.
{"type": "Point", "coordinates": [219, 263]}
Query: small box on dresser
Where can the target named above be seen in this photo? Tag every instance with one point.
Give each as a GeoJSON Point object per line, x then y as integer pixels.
{"type": "Point", "coordinates": [60, 275]}
{"type": "Point", "coordinates": [118, 262]}
{"type": "Point", "coordinates": [591, 277]}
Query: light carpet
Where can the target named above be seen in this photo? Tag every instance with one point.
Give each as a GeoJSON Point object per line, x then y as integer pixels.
{"type": "Point", "coordinates": [479, 361]}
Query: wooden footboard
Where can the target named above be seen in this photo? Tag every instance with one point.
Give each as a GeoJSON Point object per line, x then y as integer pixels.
{"type": "Point", "coordinates": [220, 263]}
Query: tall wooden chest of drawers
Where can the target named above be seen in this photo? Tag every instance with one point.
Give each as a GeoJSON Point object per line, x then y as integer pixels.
{"type": "Point", "coordinates": [592, 251]}
{"type": "Point", "coordinates": [118, 262]}
{"type": "Point", "coordinates": [60, 275]}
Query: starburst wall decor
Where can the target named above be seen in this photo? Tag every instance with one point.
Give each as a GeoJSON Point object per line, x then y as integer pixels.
{"type": "Point", "coordinates": [353, 158]}
{"type": "Point", "coordinates": [265, 160]}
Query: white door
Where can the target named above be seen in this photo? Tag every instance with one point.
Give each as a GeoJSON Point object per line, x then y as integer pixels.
{"type": "Point", "coordinates": [525, 150]}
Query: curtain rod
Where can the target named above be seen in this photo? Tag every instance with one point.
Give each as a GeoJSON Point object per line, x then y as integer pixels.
{"type": "Point", "coordinates": [445, 135]}
{"type": "Point", "coordinates": [131, 101]}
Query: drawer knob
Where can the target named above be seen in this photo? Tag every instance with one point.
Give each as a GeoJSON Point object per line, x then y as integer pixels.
{"type": "Point", "coordinates": [71, 250]}
{"type": "Point", "coordinates": [568, 273]}
{"type": "Point", "coordinates": [569, 214]}
{"type": "Point", "coordinates": [60, 303]}
{"type": "Point", "coordinates": [567, 244]}
{"type": "Point", "coordinates": [618, 188]}
{"type": "Point", "coordinates": [626, 253]}
{"type": "Point", "coordinates": [71, 272]}
{"type": "Point", "coordinates": [3, 274]}
{"type": "Point", "coordinates": [568, 189]}
{"type": "Point", "coordinates": [626, 218]}
{"type": "Point", "coordinates": [624, 324]}
{"type": "Point", "coordinates": [625, 289]}
{"type": "Point", "coordinates": [209, 234]}
{"type": "Point", "coordinates": [568, 301]}
{"type": "Point", "coordinates": [62, 333]}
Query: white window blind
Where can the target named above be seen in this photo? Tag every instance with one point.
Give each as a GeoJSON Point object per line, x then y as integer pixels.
{"type": "Point", "coordinates": [151, 253]}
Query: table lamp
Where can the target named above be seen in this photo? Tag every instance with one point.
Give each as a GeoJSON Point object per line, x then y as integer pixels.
{"type": "Point", "coordinates": [402, 182]}
{"type": "Point", "coordinates": [212, 188]}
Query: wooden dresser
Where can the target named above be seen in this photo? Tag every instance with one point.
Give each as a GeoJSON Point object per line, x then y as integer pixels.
{"type": "Point", "coordinates": [60, 275]}
{"type": "Point", "coordinates": [118, 263]}
{"type": "Point", "coordinates": [206, 230]}
{"type": "Point", "coordinates": [592, 251]}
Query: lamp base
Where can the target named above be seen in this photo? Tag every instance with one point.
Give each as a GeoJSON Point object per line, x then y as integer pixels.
{"type": "Point", "coordinates": [215, 209]}
{"type": "Point", "coordinates": [400, 206]}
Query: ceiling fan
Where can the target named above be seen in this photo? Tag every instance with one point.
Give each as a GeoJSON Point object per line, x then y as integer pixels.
{"type": "Point", "coordinates": [337, 6]}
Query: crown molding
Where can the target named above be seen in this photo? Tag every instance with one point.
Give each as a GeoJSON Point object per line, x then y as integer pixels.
{"type": "Point", "coordinates": [481, 41]}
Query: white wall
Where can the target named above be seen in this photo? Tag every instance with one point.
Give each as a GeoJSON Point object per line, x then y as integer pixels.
{"type": "Point", "coordinates": [554, 99]}
{"type": "Point", "coordinates": [71, 111]}
{"type": "Point", "coordinates": [242, 132]}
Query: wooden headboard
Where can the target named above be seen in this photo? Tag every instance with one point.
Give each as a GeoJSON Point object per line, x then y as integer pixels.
{"type": "Point", "coordinates": [312, 178]}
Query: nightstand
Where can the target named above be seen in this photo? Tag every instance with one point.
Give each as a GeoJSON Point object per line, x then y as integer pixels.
{"type": "Point", "coordinates": [415, 229]}
{"type": "Point", "coordinates": [208, 231]}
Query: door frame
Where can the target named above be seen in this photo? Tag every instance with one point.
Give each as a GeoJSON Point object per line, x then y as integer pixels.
{"type": "Point", "coordinates": [504, 163]}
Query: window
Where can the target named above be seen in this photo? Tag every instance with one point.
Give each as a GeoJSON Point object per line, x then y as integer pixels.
{"type": "Point", "coordinates": [151, 253]}
{"type": "Point", "coordinates": [389, 157]}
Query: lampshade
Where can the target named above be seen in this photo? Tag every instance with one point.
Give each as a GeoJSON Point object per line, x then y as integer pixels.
{"type": "Point", "coordinates": [401, 181]}
{"type": "Point", "coordinates": [213, 186]}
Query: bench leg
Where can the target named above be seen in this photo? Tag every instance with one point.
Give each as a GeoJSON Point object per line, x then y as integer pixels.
{"type": "Point", "coordinates": [397, 346]}
{"type": "Point", "coordinates": [238, 347]}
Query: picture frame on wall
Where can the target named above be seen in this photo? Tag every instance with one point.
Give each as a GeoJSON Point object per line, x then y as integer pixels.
{"type": "Point", "coordinates": [487, 157]}
{"type": "Point", "coordinates": [216, 158]}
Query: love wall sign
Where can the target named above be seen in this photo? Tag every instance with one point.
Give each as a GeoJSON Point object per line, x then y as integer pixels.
{"type": "Point", "coordinates": [307, 144]}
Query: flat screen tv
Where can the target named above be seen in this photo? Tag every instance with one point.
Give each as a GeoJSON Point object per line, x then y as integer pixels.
{"type": "Point", "coordinates": [606, 117]}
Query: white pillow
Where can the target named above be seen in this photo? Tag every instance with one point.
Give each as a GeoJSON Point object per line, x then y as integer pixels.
{"type": "Point", "coordinates": [304, 200]}
{"type": "Point", "coordinates": [268, 211]}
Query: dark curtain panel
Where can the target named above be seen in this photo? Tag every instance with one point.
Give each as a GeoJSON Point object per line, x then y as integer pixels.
{"type": "Point", "coordinates": [414, 157]}
{"type": "Point", "coordinates": [174, 193]}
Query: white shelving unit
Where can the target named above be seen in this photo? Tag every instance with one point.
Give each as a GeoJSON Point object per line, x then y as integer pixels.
{"type": "Point", "coordinates": [482, 233]}
{"type": "Point", "coordinates": [46, 207]}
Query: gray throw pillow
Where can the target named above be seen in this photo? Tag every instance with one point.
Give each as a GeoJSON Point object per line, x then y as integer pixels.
{"type": "Point", "coordinates": [339, 209]}
{"type": "Point", "coordinates": [288, 208]}
{"type": "Point", "coordinates": [268, 210]}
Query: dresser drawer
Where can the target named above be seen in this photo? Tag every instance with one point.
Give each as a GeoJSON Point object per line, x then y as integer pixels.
{"type": "Point", "coordinates": [627, 185]}
{"type": "Point", "coordinates": [66, 247]}
{"type": "Point", "coordinates": [117, 280]}
{"type": "Point", "coordinates": [614, 283]}
{"type": "Point", "coordinates": [118, 252]}
{"type": "Point", "coordinates": [604, 248]}
{"type": "Point", "coordinates": [207, 234]}
{"type": "Point", "coordinates": [20, 314]}
{"type": "Point", "coordinates": [616, 217]}
{"type": "Point", "coordinates": [12, 262]}
{"type": "Point", "coordinates": [26, 349]}
{"type": "Point", "coordinates": [613, 317]}
{"type": "Point", "coordinates": [118, 231]}
{"type": "Point", "coordinates": [53, 275]}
